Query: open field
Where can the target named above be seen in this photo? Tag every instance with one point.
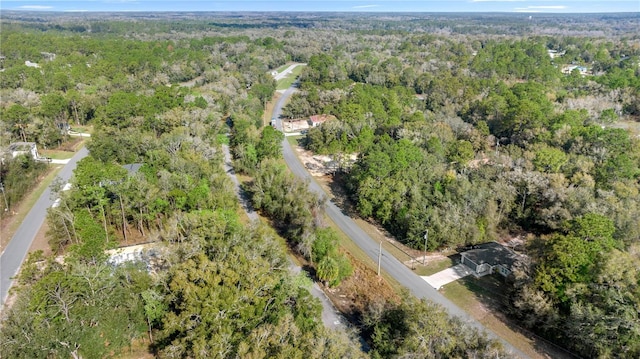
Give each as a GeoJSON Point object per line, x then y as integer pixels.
{"type": "Point", "coordinates": [435, 265]}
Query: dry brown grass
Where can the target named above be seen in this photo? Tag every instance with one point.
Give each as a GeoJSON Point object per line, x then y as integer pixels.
{"type": "Point", "coordinates": [481, 301]}
{"type": "Point", "coordinates": [354, 295]}
{"type": "Point", "coordinates": [10, 221]}
{"type": "Point", "coordinates": [266, 116]}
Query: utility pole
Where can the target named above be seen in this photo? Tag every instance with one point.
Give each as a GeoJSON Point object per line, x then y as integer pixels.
{"type": "Point", "coordinates": [426, 237]}
{"type": "Point", "coordinates": [379, 257]}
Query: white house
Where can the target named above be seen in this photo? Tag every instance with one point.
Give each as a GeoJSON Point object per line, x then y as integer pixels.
{"type": "Point", "coordinates": [21, 148]}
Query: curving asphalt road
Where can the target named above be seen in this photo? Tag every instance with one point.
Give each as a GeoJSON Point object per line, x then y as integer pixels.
{"type": "Point", "coordinates": [16, 251]}
{"type": "Point", "coordinates": [389, 263]}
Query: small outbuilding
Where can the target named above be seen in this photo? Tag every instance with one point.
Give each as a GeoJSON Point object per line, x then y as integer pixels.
{"type": "Point", "coordinates": [317, 120]}
{"type": "Point", "coordinates": [24, 148]}
{"type": "Point", "coordinates": [488, 258]}
{"type": "Point", "coordinates": [132, 168]}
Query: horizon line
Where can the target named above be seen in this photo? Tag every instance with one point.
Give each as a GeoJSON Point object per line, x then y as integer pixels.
{"type": "Point", "coordinates": [518, 12]}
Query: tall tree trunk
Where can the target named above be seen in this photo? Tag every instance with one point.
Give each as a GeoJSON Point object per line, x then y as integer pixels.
{"type": "Point", "coordinates": [66, 229]}
{"type": "Point", "coordinates": [124, 221]}
{"type": "Point", "coordinates": [150, 331]}
{"type": "Point", "coordinates": [75, 112]}
{"type": "Point", "coordinates": [104, 221]}
{"type": "Point", "coordinates": [24, 136]}
{"type": "Point", "coordinates": [140, 223]}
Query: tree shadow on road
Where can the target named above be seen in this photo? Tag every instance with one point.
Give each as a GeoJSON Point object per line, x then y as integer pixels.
{"type": "Point", "coordinates": [337, 188]}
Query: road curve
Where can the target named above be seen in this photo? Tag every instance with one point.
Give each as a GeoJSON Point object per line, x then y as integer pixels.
{"type": "Point", "coordinates": [389, 263]}
{"type": "Point", "coordinates": [16, 251]}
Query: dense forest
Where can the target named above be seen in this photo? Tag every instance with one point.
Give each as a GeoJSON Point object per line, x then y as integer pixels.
{"type": "Point", "coordinates": [478, 128]}
{"type": "Point", "coordinates": [484, 138]}
{"type": "Point", "coordinates": [422, 105]}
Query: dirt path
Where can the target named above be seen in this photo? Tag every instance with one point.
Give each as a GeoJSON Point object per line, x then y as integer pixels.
{"type": "Point", "coordinates": [191, 83]}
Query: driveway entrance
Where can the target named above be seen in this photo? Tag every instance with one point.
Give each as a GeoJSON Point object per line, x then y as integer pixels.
{"type": "Point", "coordinates": [448, 275]}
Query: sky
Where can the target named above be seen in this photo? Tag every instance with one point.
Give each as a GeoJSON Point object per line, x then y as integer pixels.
{"type": "Point", "coordinates": [522, 6]}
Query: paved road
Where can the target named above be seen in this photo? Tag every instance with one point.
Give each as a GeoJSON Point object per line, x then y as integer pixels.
{"type": "Point", "coordinates": [330, 316]}
{"type": "Point", "coordinates": [286, 72]}
{"type": "Point", "coordinates": [15, 253]}
{"type": "Point", "coordinates": [389, 263]}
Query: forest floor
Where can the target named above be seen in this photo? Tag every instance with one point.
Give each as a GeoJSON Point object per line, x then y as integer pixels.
{"type": "Point", "coordinates": [482, 298]}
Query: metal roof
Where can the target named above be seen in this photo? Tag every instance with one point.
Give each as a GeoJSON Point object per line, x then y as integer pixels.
{"type": "Point", "coordinates": [132, 167]}
{"type": "Point", "coordinates": [492, 253]}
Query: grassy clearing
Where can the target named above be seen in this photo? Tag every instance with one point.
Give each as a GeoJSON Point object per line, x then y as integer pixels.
{"type": "Point", "coordinates": [73, 144]}
{"type": "Point", "coordinates": [286, 82]}
{"type": "Point", "coordinates": [244, 218]}
{"type": "Point", "coordinates": [632, 126]}
{"type": "Point", "coordinates": [481, 298]}
{"type": "Point", "coordinates": [57, 154]}
{"type": "Point", "coordinates": [293, 140]}
{"type": "Point", "coordinates": [139, 349]}
{"type": "Point", "coordinates": [461, 295]}
{"type": "Point", "coordinates": [433, 266]}
{"type": "Point", "coordinates": [284, 67]}
{"type": "Point", "coordinates": [465, 293]}
{"type": "Point", "coordinates": [393, 248]}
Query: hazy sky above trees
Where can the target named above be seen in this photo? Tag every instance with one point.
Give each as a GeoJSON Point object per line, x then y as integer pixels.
{"type": "Point", "coordinates": [521, 6]}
